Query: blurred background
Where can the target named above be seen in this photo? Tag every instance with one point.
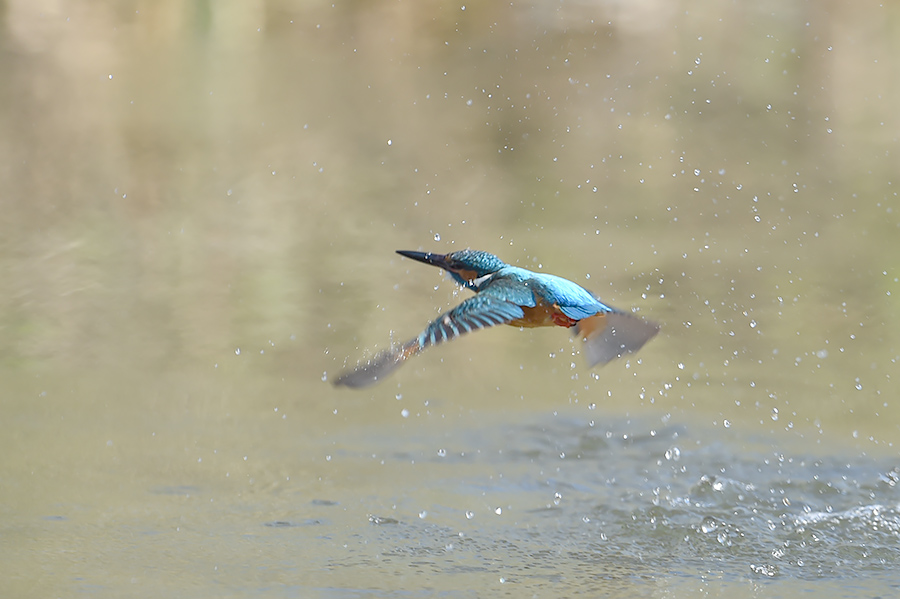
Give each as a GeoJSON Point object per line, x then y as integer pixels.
{"type": "Point", "coordinates": [200, 207]}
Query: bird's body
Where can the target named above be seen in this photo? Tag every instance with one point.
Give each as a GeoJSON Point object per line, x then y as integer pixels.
{"type": "Point", "coordinates": [518, 297]}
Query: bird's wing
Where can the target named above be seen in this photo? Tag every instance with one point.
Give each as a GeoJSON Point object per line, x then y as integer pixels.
{"type": "Point", "coordinates": [508, 289]}
{"type": "Point", "coordinates": [609, 335]}
{"type": "Point", "coordinates": [478, 312]}
{"type": "Point", "coordinates": [582, 311]}
{"type": "Point", "coordinates": [573, 300]}
{"type": "Point", "coordinates": [379, 367]}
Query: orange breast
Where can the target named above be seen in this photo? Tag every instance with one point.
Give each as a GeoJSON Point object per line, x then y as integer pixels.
{"type": "Point", "coordinates": [543, 315]}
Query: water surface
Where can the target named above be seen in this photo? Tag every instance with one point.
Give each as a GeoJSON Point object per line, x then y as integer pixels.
{"type": "Point", "coordinates": [200, 209]}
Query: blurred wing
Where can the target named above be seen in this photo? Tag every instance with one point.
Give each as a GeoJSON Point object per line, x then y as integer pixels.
{"type": "Point", "coordinates": [609, 335]}
{"type": "Point", "coordinates": [379, 367]}
{"type": "Point", "coordinates": [478, 312]}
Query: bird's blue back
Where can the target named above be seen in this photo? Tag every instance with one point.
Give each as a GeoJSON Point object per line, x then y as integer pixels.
{"type": "Point", "coordinates": [526, 288]}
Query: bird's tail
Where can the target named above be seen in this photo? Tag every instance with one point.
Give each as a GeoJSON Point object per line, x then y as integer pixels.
{"type": "Point", "coordinates": [609, 335]}
{"type": "Point", "coordinates": [380, 366]}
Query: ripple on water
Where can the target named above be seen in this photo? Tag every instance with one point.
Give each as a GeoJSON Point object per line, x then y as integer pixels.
{"type": "Point", "coordinates": [578, 501]}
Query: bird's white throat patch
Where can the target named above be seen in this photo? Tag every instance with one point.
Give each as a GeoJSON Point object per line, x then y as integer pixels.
{"type": "Point", "coordinates": [477, 283]}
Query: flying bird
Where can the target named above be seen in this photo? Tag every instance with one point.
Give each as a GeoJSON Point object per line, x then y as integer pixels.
{"type": "Point", "coordinates": [518, 297]}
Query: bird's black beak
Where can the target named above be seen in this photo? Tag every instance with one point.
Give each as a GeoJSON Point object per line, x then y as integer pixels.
{"type": "Point", "coordinates": [439, 260]}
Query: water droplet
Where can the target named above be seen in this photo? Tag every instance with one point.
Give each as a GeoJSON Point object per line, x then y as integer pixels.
{"type": "Point", "coordinates": [764, 570]}
{"type": "Point", "coordinates": [673, 454]}
{"type": "Point", "coordinates": [708, 525]}
{"type": "Point", "coordinates": [437, 237]}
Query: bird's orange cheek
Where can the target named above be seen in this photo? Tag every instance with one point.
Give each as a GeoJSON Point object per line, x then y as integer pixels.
{"type": "Point", "coordinates": [468, 275]}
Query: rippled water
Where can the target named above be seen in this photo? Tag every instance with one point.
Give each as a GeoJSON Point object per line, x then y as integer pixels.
{"type": "Point", "coordinates": [563, 507]}
{"type": "Point", "coordinates": [201, 205]}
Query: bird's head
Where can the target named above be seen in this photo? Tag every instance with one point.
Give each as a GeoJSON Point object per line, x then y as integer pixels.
{"type": "Point", "coordinates": [465, 266]}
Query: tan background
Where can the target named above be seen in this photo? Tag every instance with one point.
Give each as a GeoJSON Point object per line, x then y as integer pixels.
{"type": "Point", "coordinates": [200, 204]}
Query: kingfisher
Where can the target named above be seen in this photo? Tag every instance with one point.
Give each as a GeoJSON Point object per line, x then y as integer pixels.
{"type": "Point", "coordinates": [506, 294]}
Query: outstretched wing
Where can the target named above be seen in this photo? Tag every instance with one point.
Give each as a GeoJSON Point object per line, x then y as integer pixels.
{"type": "Point", "coordinates": [379, 367]}
{"type": "Point", "coordinates": [478, 312]}
{"type": "Point", "coordinates": [609, 335]}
